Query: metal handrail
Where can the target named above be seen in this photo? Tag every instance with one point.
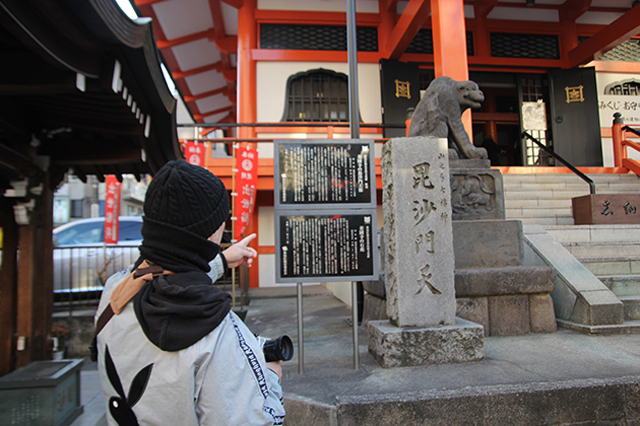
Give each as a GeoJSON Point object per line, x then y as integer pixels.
{"type": "Point", "coordinates": [592, 186]}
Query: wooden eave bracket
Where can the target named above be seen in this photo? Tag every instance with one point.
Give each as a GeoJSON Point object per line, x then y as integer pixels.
{"type": "Point", "coordinates": [234, 3]}
{"type": "Point", "coordinates": [212, 67]}
{"type": "Point", "coordinates": [571, 10]}
{"type": "Point", "coordinates": [484, 7]}
{"type": "Point", "coordinates": [414, 15]}
{"type": "Point", "coordinates": [619, 31]}
{"type": "Point", "coordinates": [230, 74]}
{"type": "Point", "coordinates": [227, 44]}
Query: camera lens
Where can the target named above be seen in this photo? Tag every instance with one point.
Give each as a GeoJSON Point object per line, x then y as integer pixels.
{"type": "Point", "coordinates": [280, 349]}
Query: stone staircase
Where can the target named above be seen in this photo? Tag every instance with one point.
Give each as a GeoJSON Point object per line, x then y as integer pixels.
{"type": "Point", "coordinates": [545, 199]}
{"type": "Point", "coordinates": [610, 252]}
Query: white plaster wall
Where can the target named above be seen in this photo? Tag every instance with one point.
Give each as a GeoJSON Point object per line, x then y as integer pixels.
{"type": "Point", "coordinates": [272, 82]}
{"type": "Point", "coordinates": [341, 290]}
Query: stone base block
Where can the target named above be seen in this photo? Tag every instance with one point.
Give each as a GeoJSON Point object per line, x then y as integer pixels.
{"type": "Point", "coordinates": [510, 315]}
{"type": "Point", "coordinates": [375, 308]}
{"type": "Point", "coordinates": [393, 346]}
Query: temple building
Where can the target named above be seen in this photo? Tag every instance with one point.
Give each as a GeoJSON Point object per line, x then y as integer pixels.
{"type": "Point", "coordinates": [556, 69]}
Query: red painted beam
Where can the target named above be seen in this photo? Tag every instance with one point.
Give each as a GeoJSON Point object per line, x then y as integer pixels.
{"type": "Point", "coordinates": [212, 67]}
{"type": "Point", "coordinates": [619, 31]}
{"type": "Point", "coordinates": [311, 18]}
{"type": "Point", "coordinates": [214, 112]}
{"type": "Point", "coordinates": [148, 2]}
{"type": "Point", "coordinates": [414, 15]}
{"type": "Point", "coordinates": [164, 44]}
{"type": "Point", "coordinates": [221, 90]}
{"type": "Point", "coordinates": [311, 55]}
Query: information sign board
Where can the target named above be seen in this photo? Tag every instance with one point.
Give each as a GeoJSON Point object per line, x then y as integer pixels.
{"type": "Point", "coordinates": [334, 245]}
{"type": "Point", "coordinates": [312, 174]}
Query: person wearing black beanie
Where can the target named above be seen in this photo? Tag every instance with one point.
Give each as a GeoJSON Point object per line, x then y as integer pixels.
{"type": "Point", "coordinates": [164, 332]}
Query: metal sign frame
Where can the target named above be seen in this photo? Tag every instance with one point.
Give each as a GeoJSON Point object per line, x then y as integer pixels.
{"type": "Point", "coordinates": [368, 243]}
{"type": "Point", "coordinates": [364, 174]}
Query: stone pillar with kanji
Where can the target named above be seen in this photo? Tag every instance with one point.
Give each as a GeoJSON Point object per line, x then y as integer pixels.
{"type": "Point", "coordinates": [419, 261]}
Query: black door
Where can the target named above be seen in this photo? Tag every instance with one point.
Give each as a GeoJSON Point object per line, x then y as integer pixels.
{"type": "Point", "coordinates": [575, 121]}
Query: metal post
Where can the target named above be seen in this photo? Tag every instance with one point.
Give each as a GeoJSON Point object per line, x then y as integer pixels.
{"type": "Point", "coordinates": [354, 319]}
{"type": "Point", "coordinates": [300, 332]}
{"type": "Point", "coordinates": [354, 120]}
{"type": "Point", "coordinates": [352, 53]}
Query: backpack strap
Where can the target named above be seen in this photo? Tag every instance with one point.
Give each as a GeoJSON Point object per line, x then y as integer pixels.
{"type": "Point", "coordinates": [122, 295]}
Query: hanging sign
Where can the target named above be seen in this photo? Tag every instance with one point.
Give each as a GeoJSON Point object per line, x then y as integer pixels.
{"type": "Point", "coordinates": [112, 210]}
{"type": "Point", "coordinates": [194, 153]}
{"type": "Point", "coordinates": [245, 188]}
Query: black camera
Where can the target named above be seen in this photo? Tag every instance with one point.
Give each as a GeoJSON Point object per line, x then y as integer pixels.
{"type": "Point", "coordinates": [280, 349]}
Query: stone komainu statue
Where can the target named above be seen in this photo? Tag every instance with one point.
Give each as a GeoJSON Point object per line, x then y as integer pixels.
{"type": "Point", "coordinates": [438, 114]}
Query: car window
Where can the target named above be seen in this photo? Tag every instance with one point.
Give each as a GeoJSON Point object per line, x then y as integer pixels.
{"type": "Point", "coordinates": [82, 233]}
{"type": "Point", "coordinates": [130, 230]}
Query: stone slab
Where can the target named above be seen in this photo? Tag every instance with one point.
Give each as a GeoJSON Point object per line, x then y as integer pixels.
{"type": "Point", "coordinates": [375, 287]}
{"type": "Point", "coordinates": [542, 317]}
{"type": "Point", "coordinates": [474, 309]}
{"type": "Point", "coordinates": [598, 307]}
{"type": "Point", "coordinates": [503, 281]}
{"type": "Point", "coordinates": [477, 194]}
{"type": "Point", "coordinates": [374, 309]}
{"type": "Point", "coordinates": [418, 240]}
{"type": "Point", "coordinates": [509, 315]}
{"type": "Point", "coordinates": [393, 346]}
{"type": "Point", "coordinates": [469, 163]}
{"type": "Point", "coordinates": [487, 243]}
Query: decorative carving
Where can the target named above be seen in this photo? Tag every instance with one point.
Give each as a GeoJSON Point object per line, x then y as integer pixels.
{"type": "Point", "coordinates": [472, 193]}
{"type": "Point", "coordinates": [438, 114]}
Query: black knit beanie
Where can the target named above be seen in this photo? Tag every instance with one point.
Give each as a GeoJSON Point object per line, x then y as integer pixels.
{"type": "Point", "coordinates": [184, 205]}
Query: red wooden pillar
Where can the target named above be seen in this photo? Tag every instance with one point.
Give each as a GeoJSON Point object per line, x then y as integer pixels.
{"type": "Point", "coordinates": [450, 44]}
{"type": "Point", "coordinates": [246, 81]}
{"type": "Point", "coordinates": [247, 100]}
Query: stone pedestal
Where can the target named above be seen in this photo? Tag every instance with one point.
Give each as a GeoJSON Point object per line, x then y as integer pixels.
{"type": "Point", "coordinates": [419, 261]}
{"type": "Point", "coordinates": [410, 346]}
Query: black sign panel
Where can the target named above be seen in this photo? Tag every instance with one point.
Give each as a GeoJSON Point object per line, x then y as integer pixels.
{"type": "Point", "coordinates": [338, 246]}
{"type": "Point", "coordinates": [320, 174]}
{"type": "Point", "coordinates": [400, 83]}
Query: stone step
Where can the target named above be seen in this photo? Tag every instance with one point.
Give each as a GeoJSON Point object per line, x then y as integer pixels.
{"type": "Point", "coordinates": [545, 221]}
{"type": "Point", "coordinates": [594, 233]}
{"type": "Point", "coordinates": [631, 307]}
{"type": "Point", "coordinates": [622, 285]}
{"type": "Point", "coordinates": [612, 266]}
{"type": "Point", "coordinates": [613, 249]}
{"type": "Point", "coordinates": [504, 281]}
{"type": "Point", "coordinates": [543, 195]}
{"type": "Point", "coordinates": [518, 213]}
{"type": "Point", "coordinates": [537, 203]}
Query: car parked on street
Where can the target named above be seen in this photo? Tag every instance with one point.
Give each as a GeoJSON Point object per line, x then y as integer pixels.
{"type": "Point", "coordinates": [82, 262]}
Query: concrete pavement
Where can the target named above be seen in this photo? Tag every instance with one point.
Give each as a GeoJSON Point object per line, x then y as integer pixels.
{"type": "Point", "coordinates": [558, 378]}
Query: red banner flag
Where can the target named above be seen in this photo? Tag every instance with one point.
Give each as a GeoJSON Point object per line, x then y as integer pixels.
{"type": "Point", "coordinates": [112, 210]}
{"type": "Point", "coordinates": [194, 153]}
{"type": "Point", "coordinates": [245, 189]}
